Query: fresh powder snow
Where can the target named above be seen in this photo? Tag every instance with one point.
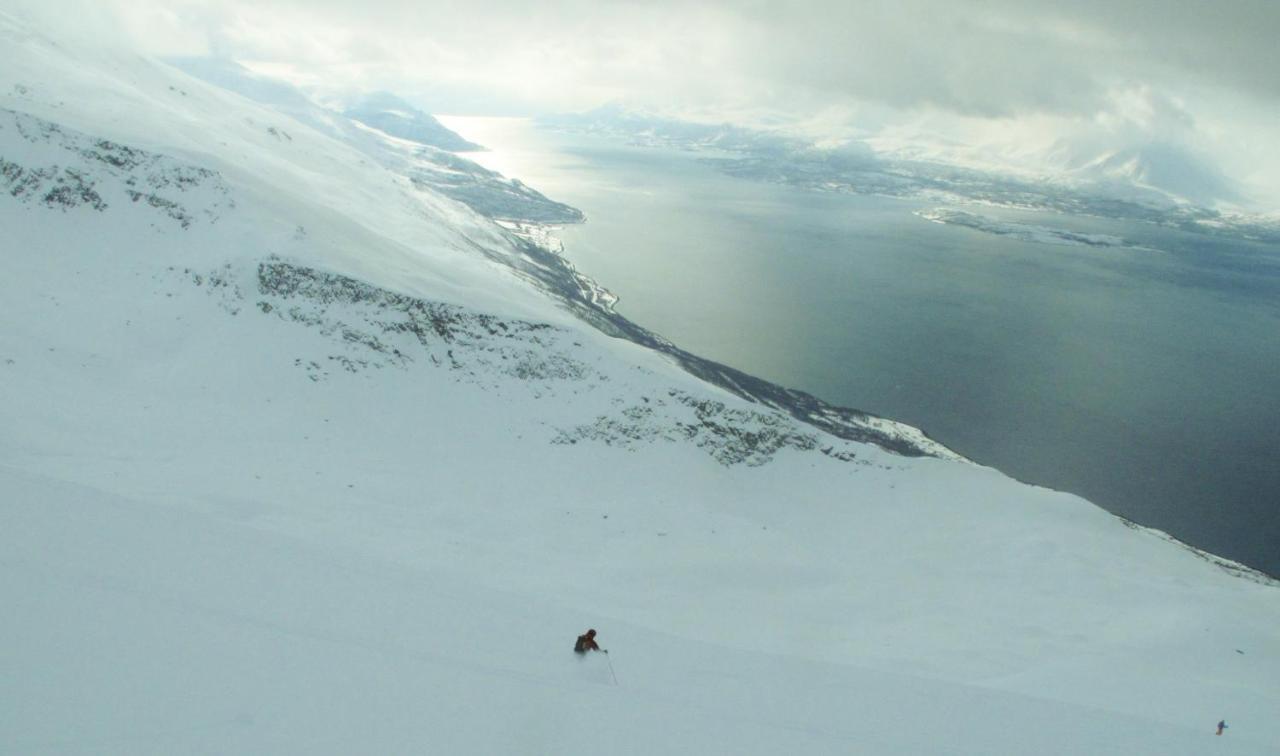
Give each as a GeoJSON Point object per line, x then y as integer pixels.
{"type": "Point", "coordinates": [299, 455]}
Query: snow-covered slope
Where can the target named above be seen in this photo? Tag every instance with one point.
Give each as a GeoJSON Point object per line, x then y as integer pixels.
{"type": "Point", "coordinates": [425, 166]}
{"type": "Point", "coordinates": [392, 115]}
{"type": "Point", "coordinates": [299, 456]}
{"type": "Point", "coordinates": [1160, 168]}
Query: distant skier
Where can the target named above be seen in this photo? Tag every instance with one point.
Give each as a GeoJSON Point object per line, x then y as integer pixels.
{"type": "Point", "coordinates": [587, 642]}
{"type": "Point", "coordinates": [1222, 725]}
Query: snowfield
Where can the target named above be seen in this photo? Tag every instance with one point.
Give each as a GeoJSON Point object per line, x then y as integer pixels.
{"type": "Point", "coordinates": [298, 455]}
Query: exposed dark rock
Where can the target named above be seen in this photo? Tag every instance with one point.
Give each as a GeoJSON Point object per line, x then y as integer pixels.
{"type": "Point", "coordinates": [394, 329]}
{"type": "Point", "coordinates": [101, 168]}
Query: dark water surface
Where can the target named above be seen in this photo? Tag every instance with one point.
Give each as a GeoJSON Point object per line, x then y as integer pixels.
{"type": "Point", "coordinates": [1146, 380]}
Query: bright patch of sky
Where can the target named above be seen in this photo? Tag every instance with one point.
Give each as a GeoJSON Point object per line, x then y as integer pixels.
{"type": "Point", "coordinates": [1026, 84]}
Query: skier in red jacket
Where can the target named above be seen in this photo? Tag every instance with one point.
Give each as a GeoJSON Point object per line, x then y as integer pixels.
{"type": "Point", "coordinates": [587, 642]}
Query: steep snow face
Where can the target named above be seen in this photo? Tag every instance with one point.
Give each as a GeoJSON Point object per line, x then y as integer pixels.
{"type": "Point", "coordinates": [288, 171]}
{"type": "Point", "coordinates": [298, 457]}
{"type": "Point", "coordinates": [426, 166]}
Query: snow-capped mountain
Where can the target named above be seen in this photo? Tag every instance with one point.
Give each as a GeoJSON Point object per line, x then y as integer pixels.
{"type": "Point", "coordinates": [300, 453]}
{"type": "Point", "coordinates": [1142, 179]}
{"type": "Point", "coordinates": [392, 115]}
{"type": "Point", "coordinates": [1159, 168]}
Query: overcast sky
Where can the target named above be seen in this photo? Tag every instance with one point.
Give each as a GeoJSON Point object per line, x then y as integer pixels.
{"type": "Point", "coordinates": [988, 57]}
{"type": "Point", "coordinates": [1198, 72]}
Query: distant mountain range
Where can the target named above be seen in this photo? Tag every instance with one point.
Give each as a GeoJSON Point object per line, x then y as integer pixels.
{"type": "Point", "coordinates": [1157, 183]}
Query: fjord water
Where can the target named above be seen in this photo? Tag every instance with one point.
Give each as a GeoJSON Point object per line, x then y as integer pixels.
{"type": "Point", "coordinates": [1144, 379]}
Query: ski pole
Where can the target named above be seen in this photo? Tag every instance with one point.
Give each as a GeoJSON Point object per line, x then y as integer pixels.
{"type": "Point", "coordinates": [611, 673]}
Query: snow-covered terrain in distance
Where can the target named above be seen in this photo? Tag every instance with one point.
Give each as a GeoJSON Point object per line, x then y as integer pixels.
{"type": "Point", "coordinates": [420, 150]}
{"type": "Point", "coordinates": [644, 129]}
{"type": "Point", "coordinates": [1029, 232]}
{"type": "Point", "coordinates": [1154, 184]}
{"type": "Point", "coordinates": [298, 456]}
{"type": "Point", "coordinates": [392, 115]}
